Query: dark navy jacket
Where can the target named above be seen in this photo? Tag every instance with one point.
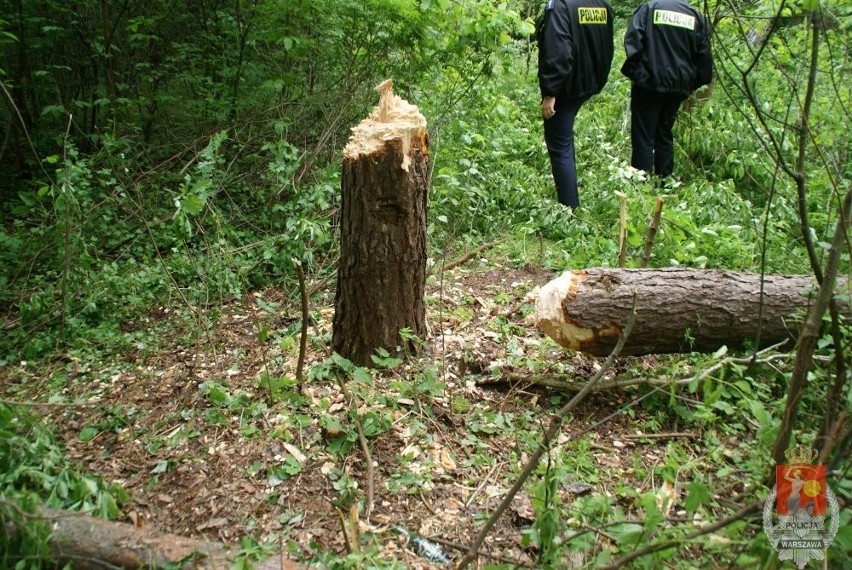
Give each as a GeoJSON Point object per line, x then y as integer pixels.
{"type": "Point", "coordinates": [668, 48]}
{"type": "Point", "coordinates": [574, 48]}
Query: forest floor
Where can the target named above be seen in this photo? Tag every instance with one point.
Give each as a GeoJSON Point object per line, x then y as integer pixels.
{"type": "Point", "coordinates": [207, 450]}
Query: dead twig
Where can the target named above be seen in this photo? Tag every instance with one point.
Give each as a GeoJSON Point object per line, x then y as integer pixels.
{"type": "Point", "coordinates": [652, 232]}
{"type": "Point", "coordinates": [50, 404]}
{"type": "Point", "coordinates": [481, 485]}
{"type": "Point", "coordinates": [622, 228]}
{"type": "Point", "coordinates": [651, 548]}
{"type": "Point", "coordinates": [303, 342]}
{"type": "Point", "coordinates": [458, 261]}
{"type": "Point", "coordinates": [362, 439]}
{"type": "Point", "coordinates": [670, 435]}
{"type": "Point", "coordinates": [549, 435]}
{"type": "Point", "coordinates": [558, 380]}
{"type": "Point", "coordinates": [497, 557]}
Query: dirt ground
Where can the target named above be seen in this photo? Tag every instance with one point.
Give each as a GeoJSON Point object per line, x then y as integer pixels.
{"type": "Point", "coordinates": [150, 428]}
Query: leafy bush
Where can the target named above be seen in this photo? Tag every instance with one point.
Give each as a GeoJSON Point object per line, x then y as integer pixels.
{"type": "Point", "coordinates": [35, 473]}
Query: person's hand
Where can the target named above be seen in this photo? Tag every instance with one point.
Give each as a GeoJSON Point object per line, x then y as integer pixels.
{"type": "Point", "coordinates": [548, 107]}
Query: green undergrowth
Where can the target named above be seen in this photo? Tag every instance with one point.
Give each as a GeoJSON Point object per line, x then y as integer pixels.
{"type": "Point", "coordinates": [118, 255]}
{"type": "Point", "coordinates": [632, 467]}
{"type": "Point", "coordinates": [36, 474]}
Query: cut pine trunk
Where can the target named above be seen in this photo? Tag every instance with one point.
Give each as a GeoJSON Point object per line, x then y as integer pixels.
{"type": "Point", "coordinates": [86, 543]}
{"type": "Point", "coordinates": [678, 310]}
{"type": "Point", "coordinates": [381, 279]}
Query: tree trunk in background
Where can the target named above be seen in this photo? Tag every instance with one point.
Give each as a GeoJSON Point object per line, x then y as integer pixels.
{"type": "Point", "coordinates": [382, 272]}
{"type": "Point", "coordinates": [678, 310]}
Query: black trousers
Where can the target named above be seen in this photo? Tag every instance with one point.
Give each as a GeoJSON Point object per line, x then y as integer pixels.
{"type": "Point", "coordinates": [652, 117]}
{"type": "Point", "coordinates": [559, 137]}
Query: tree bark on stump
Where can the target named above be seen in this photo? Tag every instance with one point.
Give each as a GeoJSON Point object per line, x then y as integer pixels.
{"type": "Point", "coordinates": [678, 310]}
{"type": "Point", "coordinates": [381, 279]}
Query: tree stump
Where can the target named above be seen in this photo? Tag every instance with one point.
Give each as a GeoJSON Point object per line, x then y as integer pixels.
{"type": "Point", "coordinates": [381, 278]}
{"type": "Point", "coordinates": [678, 310]}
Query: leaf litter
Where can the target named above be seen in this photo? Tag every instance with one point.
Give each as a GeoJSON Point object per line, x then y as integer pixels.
{"type": "Point", "coordinates": [206, 451]}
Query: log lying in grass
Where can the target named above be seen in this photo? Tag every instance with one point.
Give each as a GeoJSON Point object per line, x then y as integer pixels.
{"type": "Point", "coordinates": [679, 310]}
{"type": "Point", "coordinates": [86, 543]}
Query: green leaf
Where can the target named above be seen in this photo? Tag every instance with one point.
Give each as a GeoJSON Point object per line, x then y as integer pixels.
{"type": "Point", "coordinates": [193, 204]}
{"type": "Point", "coordinates": [362, 375]}
{"type": "Point", "coordinates": [724, 406]}
{"type": "Point", "coordinates": [697, 495]}
{"type": "Point", "coordinates": [89, 433]}
{"type": "Point", "coordinates": [759, 412]}
{"type": "Point", "coordinates": [263, 334]}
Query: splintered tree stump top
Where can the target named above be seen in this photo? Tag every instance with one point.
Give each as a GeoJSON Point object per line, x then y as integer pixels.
{"type": "Point", "coordinates": [393, 119]}
{"type": "Point", "coordinates": [382, 272]}
{"type": "Point", "coordinates": [678, 310]}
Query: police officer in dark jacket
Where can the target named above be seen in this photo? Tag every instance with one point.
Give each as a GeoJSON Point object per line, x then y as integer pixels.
{"type": "Point", "coordinates": [575, 49]}
{"type": "Point", "coordinates": [668, 56]}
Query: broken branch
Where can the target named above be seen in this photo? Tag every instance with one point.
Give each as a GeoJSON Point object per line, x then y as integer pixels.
{"type": "Point", "coordinates": [549, 435]}
{"type": "Point", "coordinates": [472, 253]}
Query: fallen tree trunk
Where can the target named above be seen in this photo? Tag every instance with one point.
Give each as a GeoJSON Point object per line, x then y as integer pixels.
{"type": "Point", "coordinates": [679, 310]}
{"type": "Point", "coordinates": [87, 543]}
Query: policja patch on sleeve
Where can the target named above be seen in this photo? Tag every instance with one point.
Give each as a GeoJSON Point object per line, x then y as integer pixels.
{"type": "Point", "coordinates": [676, 19]}
{"type": "Point", "coordinates": [591, 15]}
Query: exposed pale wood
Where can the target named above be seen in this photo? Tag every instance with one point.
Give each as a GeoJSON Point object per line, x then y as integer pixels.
{"type": "Point", "coordinates": [679, 310]}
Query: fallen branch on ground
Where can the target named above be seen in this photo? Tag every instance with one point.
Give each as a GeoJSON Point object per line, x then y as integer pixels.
{"type": "Point", "coordinates": [651, 548]}
{"type": "Point", "coordinates": [88, 543]}
{"type": "Point", "coordinates": [671, 435]}
{"type": "Point", "coordinates": [455, 263]}
{"type": "Point", "coordinates": [548, 436]}
{"type": "Point", "coordinates": [462, 547]}
{"type": "Point", "coordinates": [558, 380]}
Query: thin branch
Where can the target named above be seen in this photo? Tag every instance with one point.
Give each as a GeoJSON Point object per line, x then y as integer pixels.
{"type": "Point", "coordinates": [799, 176]}
{"type": "Point", "coordinates": [303, 342]}
{"type": "Point", "coordinates": [557, 380]}
{"type": "Point", "coordinates": [651, 548]}
{"type": "Point", "coordinates": [622, 228]}
{"type": "Point", "coordinates": [670, 435]}
{"type": "Point", "coordinates": [67, 189]}
{"type": "Point", "coordinates": [809, 335]}
{"type": "Point", "coordinates": [548, 436]}
{"type": "Point", "coordinates": [652, 232]}
{"type": "Point", "coordinates": [362, 439]}
{"type": "Point", "coordinates": [473, 253]}
{"type": "Point", "coordinates": [48, 404]}
{"type": "Point", "coordinates": [462, 547]}
{"type": "Point", "coordinates": [14, 107]}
